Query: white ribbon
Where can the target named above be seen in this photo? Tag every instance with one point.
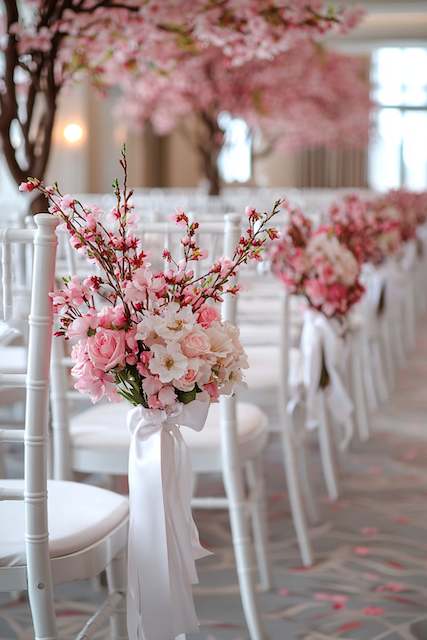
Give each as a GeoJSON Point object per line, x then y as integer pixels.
{"type": "Point", "coordinates": [163, 538]}
{"type": "Point", "coordinates": [321, 345]}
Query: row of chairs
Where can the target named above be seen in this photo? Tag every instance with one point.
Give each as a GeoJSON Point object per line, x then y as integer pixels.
{"type": "Point", "coordinates": [95, 440]}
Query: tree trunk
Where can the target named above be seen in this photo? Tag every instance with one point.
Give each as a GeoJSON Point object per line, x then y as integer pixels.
{"type": "Point", "coordinates": [209, 166]}
{"type": "Point", "coordinates": [38, 205]}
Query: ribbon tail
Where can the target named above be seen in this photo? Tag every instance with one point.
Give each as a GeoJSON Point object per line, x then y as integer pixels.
{"type": "Point", "coordinates": [149, 589]}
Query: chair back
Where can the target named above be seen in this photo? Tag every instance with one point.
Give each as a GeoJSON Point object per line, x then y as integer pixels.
{"type": "Point", "coordinates": [218, 237]}
{"type": "Point", "coordinates": [36, 383]}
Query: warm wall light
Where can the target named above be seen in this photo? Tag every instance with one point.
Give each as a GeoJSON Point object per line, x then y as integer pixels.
{"type": "Point", "coordinates": [73, 133]}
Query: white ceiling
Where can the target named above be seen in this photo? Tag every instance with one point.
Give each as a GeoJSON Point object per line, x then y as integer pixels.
{"type": "Point", "coordinates": [388, 22]}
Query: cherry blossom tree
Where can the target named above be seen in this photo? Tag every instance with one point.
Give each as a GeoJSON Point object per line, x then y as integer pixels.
{"type": "Point", "coordinates": [305, 96]}
{"type": "Point", "coordinates": [47, 44]}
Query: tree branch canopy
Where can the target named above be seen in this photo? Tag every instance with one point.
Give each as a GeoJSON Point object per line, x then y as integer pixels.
{"type": "Point", "coordinates": [50, 43]}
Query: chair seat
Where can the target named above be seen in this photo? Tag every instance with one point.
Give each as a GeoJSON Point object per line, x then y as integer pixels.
{"type": "Point", "coordinates": [103, 430]}
{"type": "Point", "coordinates": [264, 367]}
{"type": "Point", "coordinates": [13, 359]}
{"type": "Point", "coordinates": [104, 426]}
{"type": "Point", "coordinates": [261, 333]}
{"type": "Point", "coordinates": [79, 516]}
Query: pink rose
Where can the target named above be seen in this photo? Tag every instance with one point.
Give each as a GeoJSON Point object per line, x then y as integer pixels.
{"type": "Point", "coordinates": [195, 344]}
{"type": "Point", "coordinates": [187, 381]}
{"type": "Point", "coordinates": [107, 349]}
{"type": "Point", "coordinates": [207, 315]}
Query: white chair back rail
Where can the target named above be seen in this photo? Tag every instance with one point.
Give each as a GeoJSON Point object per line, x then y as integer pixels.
{"type": "Point", "coordinates": [36, 411]}
{"type": "Point", "coordinates": [9, 240]}
{"type": "Point", "coordinates": [30, 565]}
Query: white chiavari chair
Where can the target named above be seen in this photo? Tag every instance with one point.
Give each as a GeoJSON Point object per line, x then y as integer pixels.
{"type": "Point", "coordinates": [52, 531]}
{"type": "Point", "coordinates": [231, 443]}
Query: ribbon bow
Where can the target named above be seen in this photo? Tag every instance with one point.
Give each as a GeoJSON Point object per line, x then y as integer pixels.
{"type": "Point", "coordinates": [324, 351]}
{"type": "Point", "coordinates": [163, 538]}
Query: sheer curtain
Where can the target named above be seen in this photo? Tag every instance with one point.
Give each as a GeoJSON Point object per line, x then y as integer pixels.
{"type": "Point", "coordinates": [332, 168]}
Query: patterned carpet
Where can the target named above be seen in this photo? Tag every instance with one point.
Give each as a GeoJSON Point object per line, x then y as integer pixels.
{"type": "Point", "coordinates": [370, 577]}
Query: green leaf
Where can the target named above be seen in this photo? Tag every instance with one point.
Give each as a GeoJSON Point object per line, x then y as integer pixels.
{"type": "Point", "coordinates": [186, 396]}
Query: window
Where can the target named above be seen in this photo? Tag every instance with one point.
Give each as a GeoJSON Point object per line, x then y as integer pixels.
{"type": "Point", "coordinates": [234, 161]}
{"type": "Point", "coordinates": [398, 153]}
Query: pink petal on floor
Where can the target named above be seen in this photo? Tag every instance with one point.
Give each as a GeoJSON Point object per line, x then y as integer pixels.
{"type": "Point", "coordinates": [376, 470]}
{"type": "Point", "coordinates": [283, 592]}
{"type": "Point", "coordinates": [410, 454]}
{"type": "Point", "coordinates": [348, 626]}
{"type": "Point", "coordinates": [361, 551]}
{"type": "Point", "coordinates": [373, 577]}
{"type": "Point", "coordinates": [369, 531]}
{"type": "Point", "coordinates": [394, 587]}
{"type": "Point", "coordinates": [402, 520]}
{"type": "Point", "coordinates": [373, 611]}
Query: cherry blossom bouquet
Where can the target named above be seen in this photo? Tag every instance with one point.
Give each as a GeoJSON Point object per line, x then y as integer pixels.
{"type": "Point", "coordinates": [372, 230]}
{"type": "Point", "coordinates": [356, 227]}
{"type": "Point", "coordinates": [153, 337]}
{"type": "Point", "coordinates": [316, 265]}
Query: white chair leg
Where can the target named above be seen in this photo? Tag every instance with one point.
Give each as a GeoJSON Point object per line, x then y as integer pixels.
{"type": "Point", "coordinates": [295, 493]}
{"type": "Point", "coordinates": [358, 392]}
{"type": "Point", "coordinates": [42, 611]}
{"type": "Point", "coordinates": [3, 473]}
{"type": "Point", "coordinates": [378, 366]}
{"type": "Point", "coordinates": [391, 343]}
{"type": "Point", "coordinates": [327, 450]}
{"type": "Point", "coordinates": [117, 583]}
{"type": "Point", "coordinates": [307, 484]}
{"type": "Point", "coordinates": [411, 313]}
{"type": "Point", "coordinates": [369, 383]}
{"type": "Point", "coordinates": [233, 482]}
{"type": "Point", "coordinates": [256, 484]}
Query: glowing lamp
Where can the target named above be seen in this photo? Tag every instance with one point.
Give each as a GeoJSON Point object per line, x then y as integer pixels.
{"type": "Point", "coordinates": [73, 133]}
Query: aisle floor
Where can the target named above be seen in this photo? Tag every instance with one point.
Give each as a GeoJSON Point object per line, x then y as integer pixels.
{"type": "Point", "coordinates": [370, 577]}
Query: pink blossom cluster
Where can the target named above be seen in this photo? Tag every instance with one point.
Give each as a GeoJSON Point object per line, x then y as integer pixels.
{"type": "Point", "coordinates": [372, 231]}
{"type": "Point", "coordinates": [152, 337]}
{"type": "Point", "coordinates": [107, 39]}
{"type": "Point", "coordinates": [409, 207]}
{"type": "Point", "coordinates": [332, 106]}
{"type": "Point", "coordinates": [316, 265]}
{"type": "Point", "coordinates": [377, 228]}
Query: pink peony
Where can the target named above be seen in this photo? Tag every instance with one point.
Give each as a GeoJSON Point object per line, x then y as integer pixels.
{"type": "Point", "coordinates": [195, 344]}
{"type": "Point", "coordinates": [107, 349]}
